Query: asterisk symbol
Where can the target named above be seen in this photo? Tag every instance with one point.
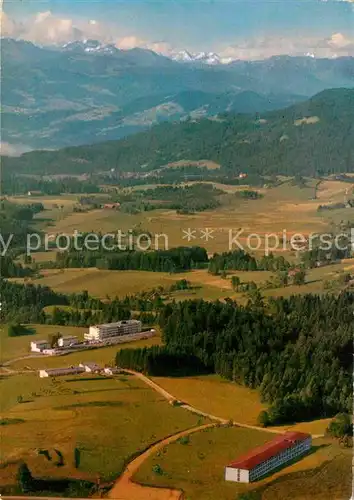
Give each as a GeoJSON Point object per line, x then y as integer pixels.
{"type": "Point", "coordinates": [189, 234]}
{"type": "Point", "coordinates": [207, 234]}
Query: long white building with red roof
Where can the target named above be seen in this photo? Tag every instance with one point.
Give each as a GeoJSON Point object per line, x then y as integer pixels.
{"type": "Point", "coordinates": [264, 459]}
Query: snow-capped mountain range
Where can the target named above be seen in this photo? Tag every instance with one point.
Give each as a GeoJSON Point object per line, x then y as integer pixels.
{"type": "Point", "coordinates": [183, 56]}
{"type": "Point", "coordinates": [90, 46]}
{"type": "Point", "coordinates": [202, 57]}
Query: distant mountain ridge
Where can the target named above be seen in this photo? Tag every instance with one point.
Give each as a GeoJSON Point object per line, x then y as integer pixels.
{"type": "Point", "coordinates": [308, 138]}
{"type": "Point", "coordinates": [88, 92]}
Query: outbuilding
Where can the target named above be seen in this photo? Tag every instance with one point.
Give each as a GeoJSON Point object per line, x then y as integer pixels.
{"type": "Point", "coordinates": [68, 341]}
{"type": "Point", "coordinates": [59, 372]}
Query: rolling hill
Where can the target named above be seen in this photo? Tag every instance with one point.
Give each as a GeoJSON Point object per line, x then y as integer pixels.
{"type": "Point", "coordinates": [306, 138]}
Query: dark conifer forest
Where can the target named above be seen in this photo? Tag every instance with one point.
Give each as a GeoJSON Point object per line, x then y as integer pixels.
{"type": "Point", "coordinates": [297, 351]}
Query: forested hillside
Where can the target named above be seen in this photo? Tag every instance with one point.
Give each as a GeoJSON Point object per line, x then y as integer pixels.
{"type": "Point", "coordinates": [309, 138]}
{"type": "Point", "coordinates": [298, 351]}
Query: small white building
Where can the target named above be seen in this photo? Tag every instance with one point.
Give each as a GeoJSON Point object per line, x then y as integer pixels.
{"type": "Point", "coordinates": [262, 460]}
{"type": "Point", "coordinates": [90, 367]}
{"type": "Point", "coordinates": [49, 352]}
{"type": "Point", "coordinates": [39, 345]}
{"type": "Point", "coordinates": [68, 341]}
{"type": "Point", "coordinates": [118, 329]}
{"type": "Point", "coordinates": [58, 372]}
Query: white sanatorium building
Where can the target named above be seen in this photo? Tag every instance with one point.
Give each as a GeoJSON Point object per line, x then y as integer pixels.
{"type": "Point", "coordinates": [262, 460]}
{"type": "Point", "coordinates": [102, 332]}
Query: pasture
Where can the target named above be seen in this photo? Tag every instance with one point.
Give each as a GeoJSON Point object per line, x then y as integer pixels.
{"type": "Point", "coordinates": [107, 419]}
{"type": "Point", "coordinates": [101, 283]}
{"type": "Point", "coordinates": [222, 398]}
{"type": "Point", "coordinates": [214, 395]}
{"type": "Point", "coordinates": [286, 206]}
{"type": "Point", "coordinates": [197, 467]}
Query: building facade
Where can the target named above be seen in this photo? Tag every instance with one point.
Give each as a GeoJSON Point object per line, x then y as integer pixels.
{"type": "Point", "coordinates": [262, 460]}
{"type": "Point", "coordinates": [67, 341]}
{"type": "Point", "coordinates": [58, 372]}
{"type": "Point", "coordinates": [102, 332]}
{"type": "Point", "coordinates": [90, 367]}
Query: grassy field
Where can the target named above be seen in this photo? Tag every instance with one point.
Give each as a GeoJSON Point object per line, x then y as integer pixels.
{"type": "Point", "coordinates": [197, 468]}
{"type": "Point", "coordinates": [315, 280]}
{"type": "Point", "coordinates": [102, 283]}
{"type": "Point", "coordinates": [284, 207]}
{"type": "Point", "coordinates": [108, 420]}
{"type": "Point", "coordinates": [228, 400]}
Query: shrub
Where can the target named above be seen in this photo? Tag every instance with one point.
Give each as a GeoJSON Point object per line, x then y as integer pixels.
{"type": "Point", "coordinates": [157, 469]}
{"type": "Point", "coordinates": [340, 426]}
{"type": "Point", "coordinates": [263, 419]}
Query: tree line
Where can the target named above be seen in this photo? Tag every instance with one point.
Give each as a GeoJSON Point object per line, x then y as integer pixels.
{"type": "Point", "coordinates": [241, 261]}
{"type": "Point", "coordinates": [25, 303]}
{"type": "Point", "coordinates": [171, 261]}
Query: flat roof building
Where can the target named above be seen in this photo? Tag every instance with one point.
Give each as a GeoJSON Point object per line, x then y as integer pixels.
{"type": "Point", "coordinates": [39, 345]}
{"type": "Point", "coordinates": [120, 328]}
{"type": "Point", "coordinates": [58, 372]}
{"type": "Point", "coordinates": [262, 460]}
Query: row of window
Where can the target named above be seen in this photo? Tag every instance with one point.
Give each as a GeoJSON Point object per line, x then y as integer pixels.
{"type": "Point", "coordinates": [277, 460]}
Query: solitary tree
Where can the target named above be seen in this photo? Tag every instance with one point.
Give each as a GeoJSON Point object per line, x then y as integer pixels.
{"type": "Point", "coordinates": [235, 281]}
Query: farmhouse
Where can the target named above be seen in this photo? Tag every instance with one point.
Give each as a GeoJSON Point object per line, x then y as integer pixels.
{"type": "Point", "coordinates": [102, 332]}
{"type": "Point", "coordinates": [67, 341]}
{"type": "Point", "coordinates": [58, 372]}
{"type": "Point", "coordinates": [264, 459]}
{"type": "Point", "coordinates": [39, 345]}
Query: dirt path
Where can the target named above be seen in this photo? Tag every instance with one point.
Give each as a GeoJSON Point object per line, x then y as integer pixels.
{"type": "Point", "coordinates": [192, 409]}
{"type": "Point", "coordinates": [126, 489]}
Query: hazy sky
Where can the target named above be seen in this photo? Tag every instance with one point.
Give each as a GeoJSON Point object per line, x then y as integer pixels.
{"type": "Point", "coordinates": [236, 28]}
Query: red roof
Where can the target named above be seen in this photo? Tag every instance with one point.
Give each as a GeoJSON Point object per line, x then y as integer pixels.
{"type": "Point", "coordinates": [262, 453]}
